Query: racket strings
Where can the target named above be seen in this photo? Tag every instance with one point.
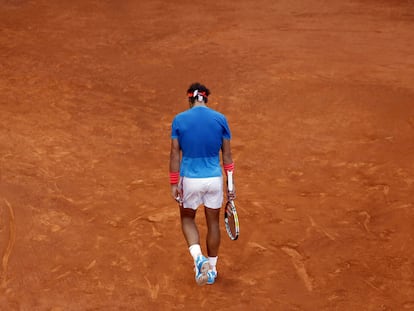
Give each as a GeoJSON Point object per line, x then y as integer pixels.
{"type": "Point", "coordinates": [231, 222]}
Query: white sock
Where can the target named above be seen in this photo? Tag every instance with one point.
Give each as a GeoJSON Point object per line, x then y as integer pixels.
{"type": "Point", "coordinates": [213, 262]}
{"type": "Point", "coordinates": [195, 250]}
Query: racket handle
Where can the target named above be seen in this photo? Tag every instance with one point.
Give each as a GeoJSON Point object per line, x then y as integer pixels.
{"type": "Point", "coordinates": [230, 180]}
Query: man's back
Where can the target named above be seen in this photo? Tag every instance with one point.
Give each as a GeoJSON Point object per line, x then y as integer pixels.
{"type": "Point", "coordinates": [200, 132]}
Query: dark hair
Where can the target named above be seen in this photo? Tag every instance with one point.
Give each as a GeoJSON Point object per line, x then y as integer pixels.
{"type": "Point", "coordinates": [196, 90]}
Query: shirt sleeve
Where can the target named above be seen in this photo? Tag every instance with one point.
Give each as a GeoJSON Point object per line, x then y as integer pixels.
{"type": "Point", "coordinates": [174, 129]}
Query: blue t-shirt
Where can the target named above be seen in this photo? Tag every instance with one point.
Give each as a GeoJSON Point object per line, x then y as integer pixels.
{"type": "Point", "coordinates": [200, 132]}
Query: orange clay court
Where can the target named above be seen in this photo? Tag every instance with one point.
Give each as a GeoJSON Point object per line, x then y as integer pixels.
{"type": "Point", "coordinates": [320, 99]}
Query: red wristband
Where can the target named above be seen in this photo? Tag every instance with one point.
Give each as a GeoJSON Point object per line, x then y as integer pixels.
{"type": "Point", "coordinates": [174, 178]}
{"type": "Point", "coordinates": [228, 167]}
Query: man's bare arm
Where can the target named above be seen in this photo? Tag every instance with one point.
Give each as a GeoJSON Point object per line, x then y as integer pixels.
{"type": "Point", "coordinates": [175, 167]}
{"type": "Point", "coordinates": [226, 152]}
{"type": "Point", "coordinates": [228, 162]}
{"type": "Point", "coordinates": [175, 156]}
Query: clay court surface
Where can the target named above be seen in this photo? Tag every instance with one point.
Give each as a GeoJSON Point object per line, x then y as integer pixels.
{"type": "Point", "coordinates": [320, 99]}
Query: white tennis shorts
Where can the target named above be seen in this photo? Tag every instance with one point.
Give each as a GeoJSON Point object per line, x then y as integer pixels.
{"type": "Point", "coordinates": [206, 191]}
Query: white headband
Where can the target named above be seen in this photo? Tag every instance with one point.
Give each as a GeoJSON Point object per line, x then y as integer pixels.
{"type": "Point", "coordinates": [200, 97]}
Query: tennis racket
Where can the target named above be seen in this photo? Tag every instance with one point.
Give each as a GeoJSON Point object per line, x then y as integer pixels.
{"type": "Point", "coordinates": [231, 220]}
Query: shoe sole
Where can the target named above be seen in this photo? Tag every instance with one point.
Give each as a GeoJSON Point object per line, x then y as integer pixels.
{"type": "Point", "coordinates": [203, 277]}
{"type": "Point", "coordinates": [213, 280]}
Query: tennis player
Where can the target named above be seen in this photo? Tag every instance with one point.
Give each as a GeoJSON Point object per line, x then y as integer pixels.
{"type": "Point", "coordinates": [198, 134]}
